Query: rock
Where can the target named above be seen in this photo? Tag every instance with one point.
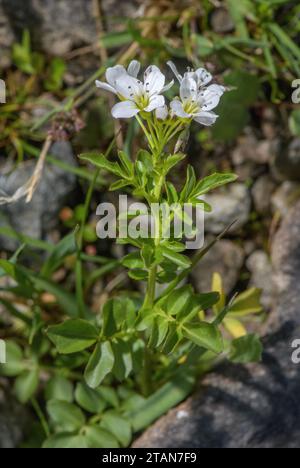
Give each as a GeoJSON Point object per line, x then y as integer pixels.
{"type": "Point", "coordinates": [284, 197]}
{"type": "Point", "coordinates": [38, 217]}
{"type": "Point", "coordinates": [260, 266]}
{"type": "Point", "coordinates": [249, 148]}
{"type": "Point", "coordinates": [262, 192]}
{"type": "Point", "coordinates": [252, 406]}
{"type": "Point", "coordinates": [221, 21]}
{"type": "Point", "coordinates": [128, 9]}
{"type": "Point", "coordinates": [229, 204]}
{"type": "Point", "coordinates": [6, 39]}
{"type": "Point", "coordinates": [58, 26]}
{"type": "Point", "coordinates": [286, 163]}
{"type": "Point", "coordinates": [49, 22]}
{"type": "Point", "coordinates": [225, 258]}
{"type": "Point", "coordinates": [13, 420]}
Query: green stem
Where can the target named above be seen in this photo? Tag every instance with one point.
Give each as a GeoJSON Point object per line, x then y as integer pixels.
{"type": "Point", "coordinates": [41, 416]}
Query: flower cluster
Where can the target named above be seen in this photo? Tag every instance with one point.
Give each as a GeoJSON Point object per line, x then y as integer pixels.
{"type": "Point", "coordinates": [196, 102]}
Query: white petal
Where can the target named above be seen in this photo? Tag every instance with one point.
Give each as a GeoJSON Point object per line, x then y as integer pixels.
{"type": "Point", "coordinates": [129, 87]}
{"type": "Point", "coordinates": [107, 87]}
{"type": "Point", "coordinates": [162, 113]}
{"type": "Point", "coordinates": [134, 68]}
{"type": "Point", "coordinates": [203, 77]}
{"type": "Point", "coordinates": [154, 80]}
{"type": "Point", "coordinates": [114, 73]}
{"type": "Point", "coordinates": [124, 110]}
{"type": "Point", "coordinates": [210, 98]}
{"type": "Point", "coordinates": [188, 89]}
{"type": "Point", "coordinates": [155, 102]}
{"type": "Point", "coordinates": [177, 108]}
{"type": "Point", "coordinates": [217, 89]}
{"type": "Point", "coordinates": [175, 71]}
{"type": "Point", "coordinates": [206, 118]}
{"type": "Point", "coordinates": [167, 87]}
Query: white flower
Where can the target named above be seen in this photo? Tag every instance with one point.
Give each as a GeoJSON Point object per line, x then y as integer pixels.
{"type": "Point", "coordinates": [114, 73]}
{"type": "Point", "coordinates": [135, 96]}
{"type": "Point", "coordinates": [197, 101]}
{"type": "Point", "coordinates": [162, 113]}
{"type": "Point", "coordinates": [201, 76]}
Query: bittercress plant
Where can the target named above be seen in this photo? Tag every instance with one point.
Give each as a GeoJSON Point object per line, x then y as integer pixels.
{"type": "Point", "coordinates": [112, 373]}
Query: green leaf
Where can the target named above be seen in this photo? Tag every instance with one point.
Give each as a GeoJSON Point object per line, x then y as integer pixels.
{"type": "Point", "coordinates": [239, 11]}
{"type": "Point", "coordinates": [100, 364]}
{"type": "Point", "coordinates": [65, 441]}
{"type": "Point", "coordinates": [89, 399]}
{"type": "Point", "coordinates": [181, 260]}
{"type": "Point", "coordinates": [99, 160]}
{"type": "Point", "coordinates": [178, 300]}
{"type": "Point", "coordinates": [173, 338]}
{"type": "Point", "coordinates": [172, 161]}
{"type": "Point", "coordinates": [189, 184]}
{"type": "Point", "coordinates": [126, 163]}
{"type": "Point", "coordinates": [205, 335]}
{"type": "Point", "coordinates": [65, 416]}
{"type": "Point", "coordinates": [212, 182]}
{"type": "Point", "coordinates": [119, 184]}
{"type": "Point", "coordinates": [205, 47]}
{"type": "Point", "coordinates": [59, 388]}
{"type": "Point", "coordinates": [109, 394]}
{"type": "Point", "coordinates": [26, 385]}
{"type": "Point", "coordinates": [66, 247]}
{"type": "Point", "coordinates": [116, 312]}
{"type": "Point", "coordinates": [73, 336]}
{"type": "Point", "coordinates": [246, 349]}
{"type": "Point", "coordinates": [167, 397]}
{"type": "Point", "coordinates": [15, 364]}
{"type": "Point", "coordinates": [123, 364]}
{"type": "Point", "coordinates": [17, 273]}
{"type": "Point", "coordinates": [118, 426]}
{"type": "Point", "coordinates": [138, 275]}
{"type": "Point", "coordinates": [133, 261]}
{"type": "Point", "coordinates": [159, 332]}
{"type": "Point", "coordinates": [97, 437]}
{"type": "Point", "coordinates": [55, 76]}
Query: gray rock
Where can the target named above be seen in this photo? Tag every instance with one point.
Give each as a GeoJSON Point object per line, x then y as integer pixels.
{"type": "Point", "coordinates": [262, 192]}
{"type": "Point", "coordinates": [286, 163]}
{"type": "Point", "coordinates": [221, 21]}
{"type": "Point", "coordinates": [249, 148]}
{"type": "Point", "coordinates": [114, 9]}
{"type": "Point", "coordinates": [58, 26]}
{"type": "Point", "coordinates": [260, 266]}
{"type": "Point", "coordinates": [285, 197]}
{"type": "Point", "coordinates": [229, 204]}
{"type": "Point", "coordinates": [6, 39]}
{"type": "Point", "coordinates": [253, 406]}
{"type": "Point", "coordinates": [40, 215]}
{"type": "Point", "coordinates": [13, 420]}
{"type": "Point", "coordinates": [225, 258]}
